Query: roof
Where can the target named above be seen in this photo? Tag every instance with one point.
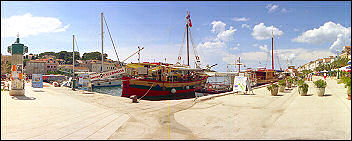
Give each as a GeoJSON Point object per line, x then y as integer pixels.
{"type": "Point", "coordinates": [37, 61]}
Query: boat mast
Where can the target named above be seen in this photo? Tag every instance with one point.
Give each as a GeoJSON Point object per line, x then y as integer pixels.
{"type": "Point", "coordinates": [102, 36]}
{"type": "Point", "coordinates": [187, 40]}
{"type": "Point", "coordinates": [73, 54]}
{"type": "Point", "coordinates": [272, 50]}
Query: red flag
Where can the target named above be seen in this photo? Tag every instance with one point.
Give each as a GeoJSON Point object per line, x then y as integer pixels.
{"type": "Point", "coordinates": [187, 17]}
{"type": "Point", "coordinates": [190, 23]}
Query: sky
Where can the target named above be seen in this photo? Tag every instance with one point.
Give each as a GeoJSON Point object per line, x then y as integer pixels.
{"type": "Point", "coordinates": [221, 31]}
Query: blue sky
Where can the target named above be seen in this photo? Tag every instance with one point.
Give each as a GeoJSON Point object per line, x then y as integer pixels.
{"type": "Point", "coordinates": [221, 31]}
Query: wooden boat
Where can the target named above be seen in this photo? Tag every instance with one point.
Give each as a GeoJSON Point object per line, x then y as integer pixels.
{"type": "Point", "coordinates": [158, 81]}
{"type": "Point", "coordinates": [161, 81]}
{"type": "Point", "coordinates": [264, 76]}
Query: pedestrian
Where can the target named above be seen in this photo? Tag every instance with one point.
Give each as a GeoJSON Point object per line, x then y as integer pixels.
{"type": "Point", "coordinates": [324, 76]}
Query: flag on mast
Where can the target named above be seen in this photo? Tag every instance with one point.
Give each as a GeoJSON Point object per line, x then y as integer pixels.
{"type": "Point", "coordinates": [189, 20]}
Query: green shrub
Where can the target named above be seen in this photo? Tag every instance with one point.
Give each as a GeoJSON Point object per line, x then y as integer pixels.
{"type": "Point", "coordinates": [290, 80]}
{"type": "Point", "coordinates": [300, 82]}
{"type": "Point", "coordinates": [320, 83]}
{"type": "Point", "coordinates": [295, 79]}
{"type": "Point", "coordinates": [304, 87]}
{"type": "Point", "coordinates": [282, 82]}
{"type": "Point", "coordinates": [271, 87]}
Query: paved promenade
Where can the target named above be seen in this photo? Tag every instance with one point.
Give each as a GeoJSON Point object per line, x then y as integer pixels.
{"type": "Point", "coordinates": [60, 113]}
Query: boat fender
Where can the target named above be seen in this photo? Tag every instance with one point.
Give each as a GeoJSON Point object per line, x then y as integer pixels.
{"type": "Point", "coordinates": [187, 87]}
{"type": "Point", "coordinates": [173, 90]}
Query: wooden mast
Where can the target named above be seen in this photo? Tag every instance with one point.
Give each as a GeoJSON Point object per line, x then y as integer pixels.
{"type": "Point", "coordinates": [272, 50]}
{"type": "Point", "coordinates": [102, 37]}
{"type": "Point", "coordinates": [187, 40]}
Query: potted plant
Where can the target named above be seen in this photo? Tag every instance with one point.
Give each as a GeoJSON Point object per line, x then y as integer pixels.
{"type": "Point", "coordinates": [304, 89]}
{"type": "Point", "coordinates": [295, 79]}
{"type": "Point", "coordinates": [347, 81]}
{"type": "Point", "coordinates": [320, 84]}
{"type": "Point", "coordinates": [299, 83]}
{"type": "Point", "coordinates": [273, 89]}
{"type": "Point", "coordinates": [349, 93]}
{"type": "Point", "coordinates": [282, 85]}
{"type": "Point", "coordinates": [289, 82]}
{"type": "Point", "coordinates": [348, 85]}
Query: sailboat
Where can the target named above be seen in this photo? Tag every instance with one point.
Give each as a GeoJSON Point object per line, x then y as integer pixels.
{"type": "Point", "coordinates": [111, 78]}
{"type": "Point", "coordinates": [159, 81]}
{"type": "Point", "coordinates": [262, 75]}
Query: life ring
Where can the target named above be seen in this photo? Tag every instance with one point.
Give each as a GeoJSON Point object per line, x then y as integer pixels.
{"type": "Point", "coordinates": [210, 86]}
{"type": "Point", "coordinates": [197, 57]}
{"type": "Point", "coordinates": [179, 58]}
{"type": "Point", "coordinates": [173, 90]}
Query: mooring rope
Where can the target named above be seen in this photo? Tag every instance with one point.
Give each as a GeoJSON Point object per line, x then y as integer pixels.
{"type": "Point", "coordinates": [146, 92]}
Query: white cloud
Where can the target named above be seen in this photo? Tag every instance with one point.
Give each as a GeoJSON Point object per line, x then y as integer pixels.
{"type": "Point", "coordinates": [227, 35]}
{"type": "Point", "coordinates": [28, 25]}
{"type": "Point", "coordinates": [261, 32]}
{"type": "Point", "coordinates": [330, 32]}
{"type": "Point", "coordinates": [271, 8]}
{"type": "Point", "coordinates": [264, 48]}
{"type": "Point", "coordinates": [295, 30]}
{"type": "Point", "coordinates": [284, 10]}
{"type": "Point", "coordinates": [218, 26]}
{"type": "Point", "coordinates": [234, 48]}
{"type": "Point", "coordinates": [243, 19]}
{"type": "Point", "coordinates": [223, 36]}
{"type": "Point", "coordinates": [246, 26]}
{"type": "Point", "coordinates": [212, 44]}
{"type": "Point", "coordinates": [238, 44]}
{"type": "Point", "coordinates": [255, 45]}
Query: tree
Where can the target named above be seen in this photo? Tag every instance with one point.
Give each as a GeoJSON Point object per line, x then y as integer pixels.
{"type": "Point", "coordinates": [41, 55]}
{"type": "Point", "coordinates": [25, 62]}
{"type": "Point", "coordinates": [93, 56]}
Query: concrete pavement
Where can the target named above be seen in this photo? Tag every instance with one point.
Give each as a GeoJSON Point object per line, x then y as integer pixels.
{"type": "Point", "coordinates": [60, 113]}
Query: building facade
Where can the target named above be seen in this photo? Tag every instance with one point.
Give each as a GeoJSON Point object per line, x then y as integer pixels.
{"type": "Point", "coordinates": [35, 67]}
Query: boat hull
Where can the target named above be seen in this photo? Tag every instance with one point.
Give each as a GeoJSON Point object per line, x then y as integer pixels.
{"type": "Point", "coordinates": [107, 83]}
{"type": "Point", "coordinates": [159, 90]}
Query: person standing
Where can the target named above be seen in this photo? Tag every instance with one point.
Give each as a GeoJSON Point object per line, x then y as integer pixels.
{"type": "Point", "coordinates": [324, 76]}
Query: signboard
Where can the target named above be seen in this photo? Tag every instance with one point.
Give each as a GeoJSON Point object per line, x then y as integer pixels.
{"type": "Point", "coordinates": [142, 70]}
{"type": "Point", "coordinates": [37, 80]}
{"type": "Point", "coordinates": [240, 83]}
{"type": "Point", "coordinates": [107, 74]}
{"type": "Point", "coordinates": [83, 81]}
{"type": "Point", "coordinates": [17, 77]}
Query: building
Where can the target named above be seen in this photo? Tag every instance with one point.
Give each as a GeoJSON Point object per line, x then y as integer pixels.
{"type": "Point", "coordinates": [69, 68]}
{"type": "Point", "coordinates": [35, 67]}
{"type": "Point", "coordinates": [51, 65]}
{"type": "Point", "coordinates": [346, 52]}
{"type": "Point", "coordinates": [95, 66]}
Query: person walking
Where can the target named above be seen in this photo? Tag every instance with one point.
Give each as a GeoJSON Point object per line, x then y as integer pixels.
{"type": "Point", "coordinates": [324, 76]}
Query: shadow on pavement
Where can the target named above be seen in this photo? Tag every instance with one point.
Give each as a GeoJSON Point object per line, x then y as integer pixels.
{"type": "Point", "coordinates": [38, 91]}
{"type": "Point", "coordinates": [23, 98]}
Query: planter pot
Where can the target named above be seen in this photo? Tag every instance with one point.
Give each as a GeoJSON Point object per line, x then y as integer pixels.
{"type": "Point", "coordinates": [274, 91]}
{"type": "Point", "coordinates": [289, 85]}
{"type": "Point", "coordinates": [349, 97]}
{"type": "Point", "coordinates": [303, 93]}
{"type": "Point", "coordinates": [281, 88]}
{"type": "Point", "coordinates": [320, 91]}
{"type": "Point", "coordinates": [299, 90]}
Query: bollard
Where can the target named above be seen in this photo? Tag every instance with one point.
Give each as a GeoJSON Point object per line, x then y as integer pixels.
{"type": "Point", "coordinates": [134, 99]}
